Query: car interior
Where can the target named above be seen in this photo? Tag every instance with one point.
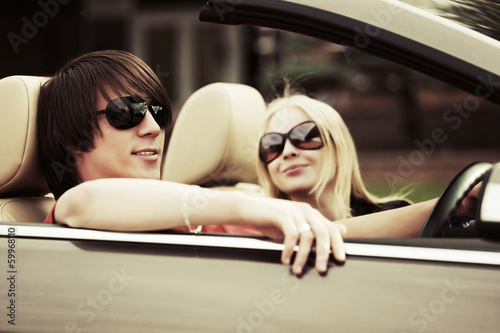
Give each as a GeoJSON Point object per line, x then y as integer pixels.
{"type": "Point", "coordinates": [213, 144]}
{"type": "Point", "coordinates": [23, 188]}
{"type": "Point", "coordinates": [219, 125]}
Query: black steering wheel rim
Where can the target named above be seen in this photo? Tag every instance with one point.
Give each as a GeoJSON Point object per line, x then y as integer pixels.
{"type": "Point", "coordinates": [439, 217]}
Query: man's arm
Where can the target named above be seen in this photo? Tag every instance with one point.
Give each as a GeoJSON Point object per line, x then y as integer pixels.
{"type": "Point", "coordinates": [124, 204]}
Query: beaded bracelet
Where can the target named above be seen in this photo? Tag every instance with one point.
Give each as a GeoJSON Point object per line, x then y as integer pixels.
{"type": "Point", "coordinates": [185, 212]}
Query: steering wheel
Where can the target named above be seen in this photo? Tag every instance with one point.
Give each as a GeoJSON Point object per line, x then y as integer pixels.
{"type": "Point", "coordinates": [448, 202]}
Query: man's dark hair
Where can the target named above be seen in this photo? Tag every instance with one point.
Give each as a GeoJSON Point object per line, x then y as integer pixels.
{"type": "Point", "coordinates": [67, 119]}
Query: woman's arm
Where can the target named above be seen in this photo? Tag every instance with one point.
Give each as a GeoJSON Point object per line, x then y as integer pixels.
{"type": "Point", "coordinates": [124, 204]}
{"type": "Point", "coordinates": [400, 222]}
{"type": "Point", "coordinates": [406, 221]}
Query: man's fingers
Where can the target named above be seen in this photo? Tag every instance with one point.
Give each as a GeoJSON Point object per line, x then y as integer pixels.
{"type": "Point", "coordinates": [338, 248]}
{"type": "Point", "coordinates": [304, 227]}
{"type": "Point", "coordinates": [291, 237]}
{"type": "Point", "coordinates": [305, 244]}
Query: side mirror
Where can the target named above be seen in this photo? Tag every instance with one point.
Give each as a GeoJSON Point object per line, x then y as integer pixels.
{"type": "Point", "coordinates": [488, 209]}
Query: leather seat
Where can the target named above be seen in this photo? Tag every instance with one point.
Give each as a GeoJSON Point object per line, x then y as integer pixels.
{"type": "Point", "coordinates": [213, 144]}
{"type": "Point", "coordinates": [214, 139]}
{"type": "Point", "coordinates": [23, 188]}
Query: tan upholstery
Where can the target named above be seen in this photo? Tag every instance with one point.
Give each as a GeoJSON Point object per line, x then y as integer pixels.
{"type": "Point", "coordinates": [25, 209]}
{"type": "Point", "coordinates": [22, 184]}
{"type": "Point", "coordinates": [214, 140]}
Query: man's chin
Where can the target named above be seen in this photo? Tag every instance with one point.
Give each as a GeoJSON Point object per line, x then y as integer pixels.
{"type": "Point", "coordinates": [148, 175]}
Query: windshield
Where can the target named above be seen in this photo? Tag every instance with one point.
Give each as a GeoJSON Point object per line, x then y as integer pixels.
{"type": "Point", "coordinates": [480, 15]}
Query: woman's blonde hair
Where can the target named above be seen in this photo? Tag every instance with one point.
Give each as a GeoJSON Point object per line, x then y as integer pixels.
{"type": "Point", "coordinates": [340, 167]}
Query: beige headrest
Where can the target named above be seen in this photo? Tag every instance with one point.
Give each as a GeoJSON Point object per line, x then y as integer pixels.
{"type": "Point", "coordinates": [214, 139]}
{"type": "Point", "coordinates": [20, 171]}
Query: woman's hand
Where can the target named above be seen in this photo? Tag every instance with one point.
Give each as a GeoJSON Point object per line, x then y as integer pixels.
{"type": "Point", "coordinates": [467, 209]}
{"type": "Point", "coordinates": [297, 224]}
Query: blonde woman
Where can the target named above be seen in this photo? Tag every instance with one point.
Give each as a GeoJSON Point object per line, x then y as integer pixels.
{"type": "Point", "coordinates": [307, 154]}
{"type": "Point", "coordinates": [321, 149]}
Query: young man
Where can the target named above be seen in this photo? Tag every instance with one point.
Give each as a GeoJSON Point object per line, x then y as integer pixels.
{"type": "Point", "coordinates": [101, 127]}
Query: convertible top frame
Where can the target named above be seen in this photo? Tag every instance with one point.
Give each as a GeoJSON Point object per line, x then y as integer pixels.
{"type": "Point", "coordinates": [343, 28]}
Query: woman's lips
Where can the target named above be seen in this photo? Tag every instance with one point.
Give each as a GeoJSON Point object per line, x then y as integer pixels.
{"type": "Point", "coordinates": [294, 168]}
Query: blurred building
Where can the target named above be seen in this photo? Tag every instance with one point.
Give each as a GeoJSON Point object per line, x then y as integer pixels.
{"type": "Point", "coordinates": [385, 105]}
{"type": "Point", "coordinates": [42, 35]}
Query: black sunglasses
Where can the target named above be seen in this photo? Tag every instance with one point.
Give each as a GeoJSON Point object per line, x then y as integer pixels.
{"type": "Point", "coordinates": [127, 112]}
{"type": "Point", "coordinates": [304, 136]}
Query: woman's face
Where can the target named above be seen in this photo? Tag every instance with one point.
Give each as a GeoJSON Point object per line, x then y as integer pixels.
{"type": "Point", "coordinates": [296, 171]}
{"type": "Point", "coordinates": [129, 153]}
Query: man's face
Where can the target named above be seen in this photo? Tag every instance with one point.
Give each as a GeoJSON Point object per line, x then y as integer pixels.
{"type": "Point", "coordinates": [129, 153]}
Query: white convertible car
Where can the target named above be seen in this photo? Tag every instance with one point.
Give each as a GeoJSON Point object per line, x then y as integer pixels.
{"type": "Point", "coordinates": [58, 279]}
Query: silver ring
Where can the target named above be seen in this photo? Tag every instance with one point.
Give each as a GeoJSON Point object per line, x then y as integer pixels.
{"type": "Point", "coordinates": [304, 227]}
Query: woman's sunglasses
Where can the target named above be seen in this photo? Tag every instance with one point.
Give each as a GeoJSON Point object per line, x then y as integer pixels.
{"type": "Point", "coordinates": [304, 136]}
{"type": "Point", "coordinates": [127, 112]}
